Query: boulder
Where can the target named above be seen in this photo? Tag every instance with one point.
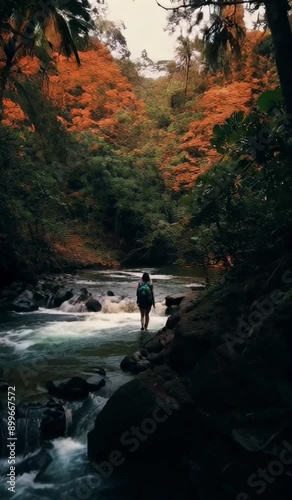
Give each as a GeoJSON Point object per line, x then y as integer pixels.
{"type": "Point", "coordinates": [156, 358]}
{"type": "Point", "coordinates": [53, 424]}
{"type": "Point", "coordinates": [37, 462]}
{"type": "Point", "coordinates": [127, 363]}
{"type": "Point", "coordinates": [84, 295]}
{"type": "Point", "coordinates": [136, 363]}
{"type": "Point", "coordinates": [174, 300]}
{"type": "Point", "coordinates": [93, 305]}
{"type": "Point", "coordinates": [60, 297]}
{"type": "Point", "coordinates": [172, 321]}
{"type": "Point", "coordinates": [110, 294]}
{"type": "Point", "coordinates": [24, 302]}
{"type": "Point", "coordinates": [160, 340]}
{"type": "Point", "coordinates": [171, 310]}
{"type": "Point", "coordinates": [73, 389]}
{"type": "Point", "coordinates": [152, 406]}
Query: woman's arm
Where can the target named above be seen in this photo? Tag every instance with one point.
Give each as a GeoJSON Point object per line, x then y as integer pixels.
{"type": "Point", "coordinates": [152, 295]}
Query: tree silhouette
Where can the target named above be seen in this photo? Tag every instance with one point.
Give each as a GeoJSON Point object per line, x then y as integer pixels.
{"type": "Point", "coordinates": [31, 28]}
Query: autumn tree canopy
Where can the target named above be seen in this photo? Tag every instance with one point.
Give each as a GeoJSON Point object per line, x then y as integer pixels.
{"type": "Point", "coordinates": [276, 12]}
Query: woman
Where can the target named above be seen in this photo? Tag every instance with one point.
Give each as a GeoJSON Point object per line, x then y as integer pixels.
{"type": "Point", "coordinates": [145, 299]}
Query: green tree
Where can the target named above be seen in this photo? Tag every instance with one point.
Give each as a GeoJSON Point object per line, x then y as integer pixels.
{"type": "Point", "coordinates": [33, 28]}
{"type": "Point", "coordinates": [277, 15]}
{"type": "Point", "coordinates": [184, 52]}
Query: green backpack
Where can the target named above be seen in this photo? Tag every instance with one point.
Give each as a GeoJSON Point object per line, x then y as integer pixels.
{"type": "Point", "coordinates": [144, 294]}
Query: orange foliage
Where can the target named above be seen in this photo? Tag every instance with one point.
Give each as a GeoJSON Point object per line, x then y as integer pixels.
{"type": "Point", "coordinates": [13, 114]}
{"type": "Point", "coordinates": [94, 97]}
{"type": "Point", "coordinates": [248, 78]}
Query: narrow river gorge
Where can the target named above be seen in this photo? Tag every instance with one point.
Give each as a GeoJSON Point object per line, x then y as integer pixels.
{"type": "Point", "coordinates": [52, 344]}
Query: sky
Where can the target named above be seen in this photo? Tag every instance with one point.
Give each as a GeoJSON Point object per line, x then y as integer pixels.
{"type": "Point", "coordinates": [145, 23]}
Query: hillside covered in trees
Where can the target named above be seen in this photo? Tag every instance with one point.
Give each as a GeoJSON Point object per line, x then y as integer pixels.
{"type": "Point", "coordinates": [100, 164]}
{"type": "Point", "coordinates": [107, 161]}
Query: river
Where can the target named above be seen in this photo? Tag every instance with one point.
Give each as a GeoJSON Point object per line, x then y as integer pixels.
{"type": "Point", "coordinates": [55, 345]}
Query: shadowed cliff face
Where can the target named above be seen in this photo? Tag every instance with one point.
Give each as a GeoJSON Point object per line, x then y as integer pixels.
{"type": "Point", "coordinates": [227, 378]}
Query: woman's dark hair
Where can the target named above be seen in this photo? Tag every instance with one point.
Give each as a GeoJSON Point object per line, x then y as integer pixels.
{"type": "Point", "coordinates": [145, 277]}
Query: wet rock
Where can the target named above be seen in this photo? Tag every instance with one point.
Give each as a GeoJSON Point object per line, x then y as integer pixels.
{"type": "Point", "coordinates": [171, 310]}
{"type": "Point", "coordinates": [159, 341]}
{"type": "Point", "coordinates": [141, 366]}
{"type": "Point", "coordinates": [53, 423]}
{"type": "Point", "coordinates": [24, 302]}
{"type": "Point", "coordinates": [174, 300]}
{"type": "Point", "coordinates": [40, 298]}
{"type": "Point", "coordinates": [198, 286]}
{"type": "Point", "coordinates": [101, 371]}
{"type": "Point", "coordinates": [93, 305]}
{"type": "Point", "coordinates": [110, 294]}
{"type": "Point", "coordinates": [60, 297]}
{"type": "Point", "coordinates": [73, 389]}
{"type": "Point", "coordinates": [156, 358]}
{"type": "Point", "coordinates": [137, 404]}
{"type": "Point", "coordinates": [136, 363]}
{"type": "Point", "coordinates": [37, 462]}
{"type": "Point", "coordinates": [84, 295]}
{"type": "Point", "coordinates": [127, 363]}
{"type": "Point", "coordinates": [172, 321]}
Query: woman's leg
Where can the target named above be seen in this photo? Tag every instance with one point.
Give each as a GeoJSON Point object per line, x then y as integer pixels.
{"type": "Point", "coordinates": [142, 312]}
{"type": "Point", "coordinates": [147, 318]}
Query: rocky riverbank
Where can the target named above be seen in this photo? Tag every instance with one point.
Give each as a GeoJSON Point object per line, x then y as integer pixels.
{"type": "Point", "coordinates": [50, 292]}
{"type": "Point", "coordinates": [216, 398]}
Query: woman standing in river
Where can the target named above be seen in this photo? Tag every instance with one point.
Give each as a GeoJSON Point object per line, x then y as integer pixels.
{"type": "Point", "coordinates": [145, 299]}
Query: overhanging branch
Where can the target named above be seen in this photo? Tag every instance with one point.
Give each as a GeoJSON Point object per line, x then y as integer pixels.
{"type": "Point", "coordinates": [201, 3]}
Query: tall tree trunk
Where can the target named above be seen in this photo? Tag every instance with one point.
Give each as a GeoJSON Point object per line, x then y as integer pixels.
{"type": "Point", "coordinates": [187, 75]}
{"type": "Point", "coordinates": [4, 75]}
{"type": "Point", "coordinates": [277, 15]}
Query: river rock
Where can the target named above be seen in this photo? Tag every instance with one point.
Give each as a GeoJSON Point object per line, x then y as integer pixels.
{"type": "Point", "coordinates": [73, 389]}
{"type": "Point", "coordinates": [37, 462]}
{"type": "Point", "coordinates": [127, 363]}
{"type": "Point", "coordinates": [148, 403]}
{"type": "Point", "coordinates": [171, 310]}
{"type": "Point", "coordinates": [25, 302]}
{"type": "Point", "coordinates": [160, 340]}
{"type": "Point", "coordinates": [60, 297]}
{"type": "Point", "coordinates": [172, 321]}
{"type": "Point", "coordinates": [197, 286]}
{"type": "Point", "coordinates": [174, 300]}
{"type": "Point", "coordinates": [93, 305]}
{"type": "Point", "coordinates": [84, 295]}
{"type": "Point", "coordinates": [136, 363]}
{"type": "Point", "coordinates": [53, 423]}
{"type": "Point", "coordinates": [110, 294]}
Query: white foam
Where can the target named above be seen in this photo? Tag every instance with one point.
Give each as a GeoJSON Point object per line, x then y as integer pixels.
{"type": "Point", "coordinates": [199, 285]}
{"type": "Point", "coordinates": [28, 480]}
{"type": "Point", "coordinates": [20, 345]}
{"type": "Point", "coordinates": [85, 282]}
{"type": "Point", "coordinates": [57, 312]}
{"type": "Point", "coordinates": [67, 446]}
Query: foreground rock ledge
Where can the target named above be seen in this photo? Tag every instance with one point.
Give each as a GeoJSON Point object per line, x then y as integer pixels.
{"type": "Point", "coordinates": [231, 411]}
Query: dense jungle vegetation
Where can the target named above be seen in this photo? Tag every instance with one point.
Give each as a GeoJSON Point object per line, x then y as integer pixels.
{"type": "Point", "coordinates": [100, 163]}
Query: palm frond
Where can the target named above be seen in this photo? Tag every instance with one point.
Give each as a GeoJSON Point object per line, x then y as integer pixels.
{"type": "Point", "coordinates": [76, 8]}
{"type": "Point", "coordinates": [25, 98]}
{"type": "Point", "coordinates": [60, 37]}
